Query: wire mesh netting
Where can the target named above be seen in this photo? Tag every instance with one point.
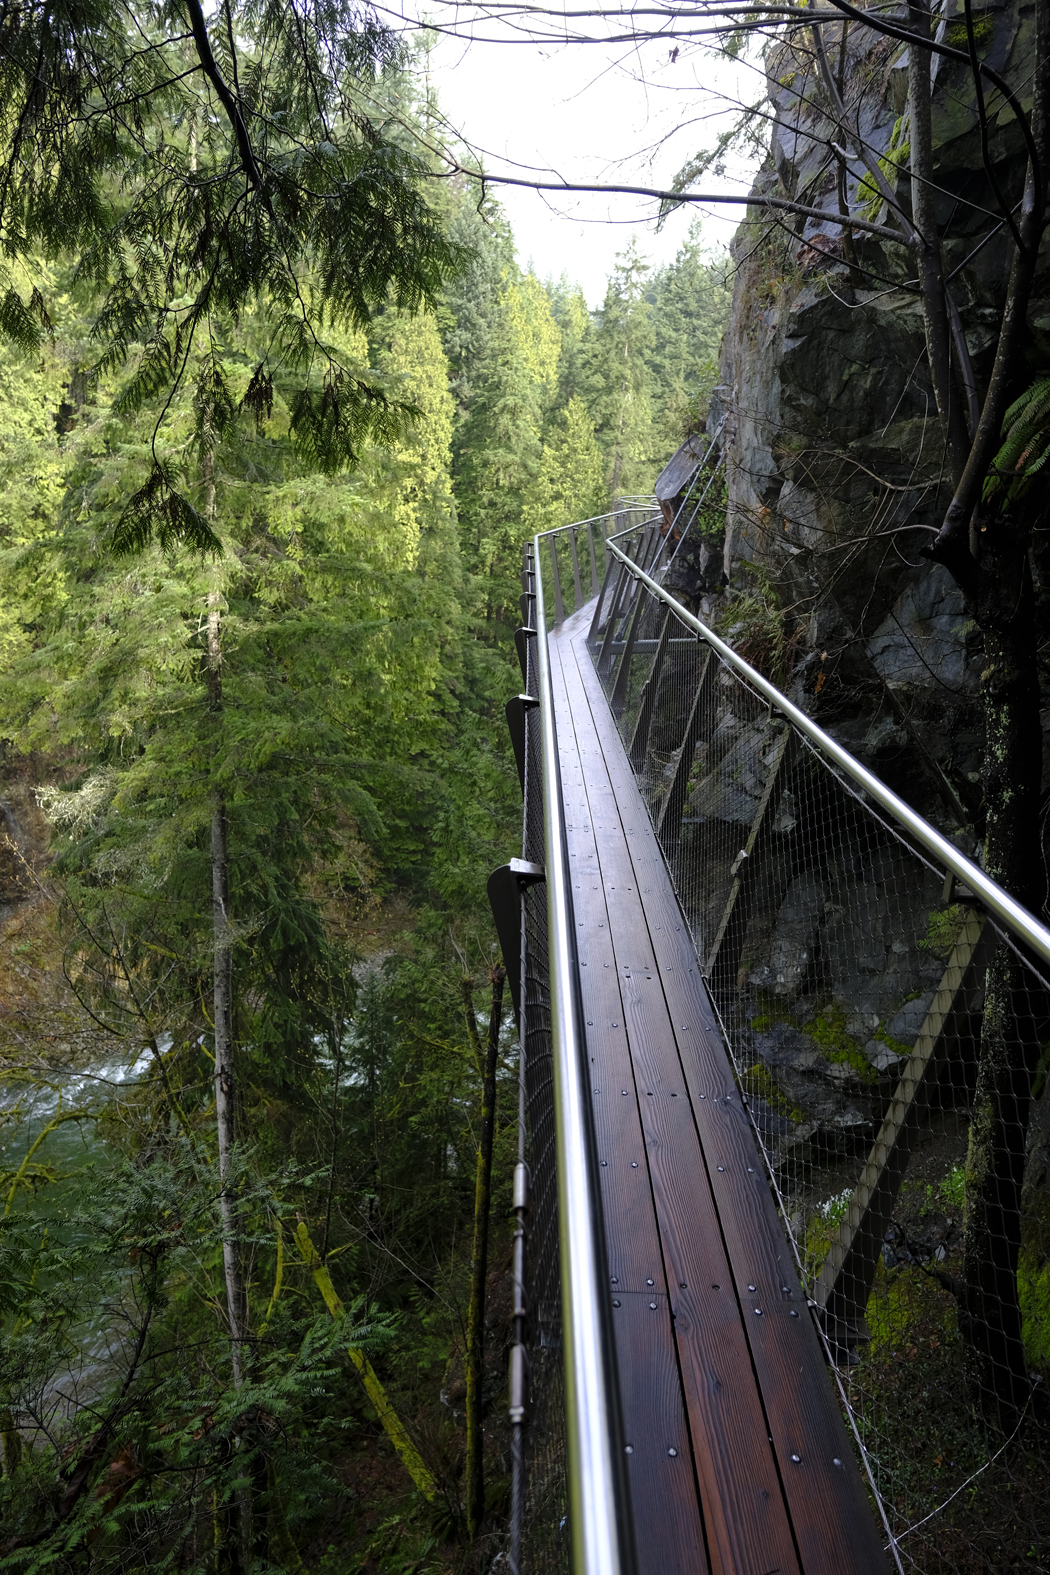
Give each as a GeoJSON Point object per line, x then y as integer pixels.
{"type": "Point", "coordinates": [538, 1541]}
{"type": "Point", "coordinates": [891, 1041]}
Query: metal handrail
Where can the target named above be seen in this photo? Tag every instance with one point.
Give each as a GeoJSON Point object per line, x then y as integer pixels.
{"type": "Point", "coordinates": [1017, 918]}
{"type": "Point", "coordinates": [602, 1543]}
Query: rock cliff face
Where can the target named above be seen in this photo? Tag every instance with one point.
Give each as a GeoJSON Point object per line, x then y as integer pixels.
{"type": "Point", "coordinates": [836, 476]}
{"type": "Point", "coordinates": [835, 459]}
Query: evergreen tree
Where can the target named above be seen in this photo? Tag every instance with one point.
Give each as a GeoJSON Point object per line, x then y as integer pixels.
{"type": "Point", "coordinates": [220, 166]}
{"type": "Point", "coordinates": [690, 300]}
{"type": "Point", "coordinates": [620, 395]}
{"type": "Point", "coordinates": [574, 321]}
{"type": "Point", "coordinates": [499, 455]}
{"type": "Point", "coordinates": [536, 330]}
{"type": "Point", "coordinates": [471, 309]}
{"type": "Point", "coordinates": [569, 484]}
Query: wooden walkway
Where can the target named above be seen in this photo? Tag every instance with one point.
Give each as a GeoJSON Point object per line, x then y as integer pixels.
{"type": "Point", "coordinates": [739, 1461]}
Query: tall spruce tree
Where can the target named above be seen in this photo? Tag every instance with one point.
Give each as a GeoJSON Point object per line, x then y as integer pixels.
{"type": "Point", "coordinates": [195, 167]}
{"type": "Point", "coordinates": [499, 454]}
{"type": "Point", "coordinates": [621, 381]}
{"type": "Point", "coordinates": [690, 300]}
{"type": "Point", "coordinates": [569, 483]}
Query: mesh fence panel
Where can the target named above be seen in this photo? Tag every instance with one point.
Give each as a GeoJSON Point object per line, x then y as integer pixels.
{"type": "Point", "coordinates": [867, 1002]}
{"type": "Point", "coordinates": [539, 1545]}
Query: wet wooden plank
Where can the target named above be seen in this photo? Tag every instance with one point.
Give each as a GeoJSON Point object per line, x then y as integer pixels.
{"type": "Point", "coordinates": [669, 1528]}
{"type": "Point", "coordinates": [827, 1501]}
{"type": "Point", "coordinates": [747, 1524]}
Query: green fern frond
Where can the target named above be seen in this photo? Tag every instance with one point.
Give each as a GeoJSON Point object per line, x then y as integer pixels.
{"type": "Point", "coordinates": [1026, 443]}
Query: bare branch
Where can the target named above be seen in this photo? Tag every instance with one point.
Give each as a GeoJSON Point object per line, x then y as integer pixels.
{"type": "Point", "coordinates": [672, 198]}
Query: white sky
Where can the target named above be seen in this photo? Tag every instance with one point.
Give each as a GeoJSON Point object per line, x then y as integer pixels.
{"type": "Point", "coordinates": [625, 114]}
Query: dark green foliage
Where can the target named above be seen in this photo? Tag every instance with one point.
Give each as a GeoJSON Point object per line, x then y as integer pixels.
{"type": "Point", "coordinates": [1026, 444]}
{"type": "Point", "coordinates": [201, 169]}
{"type": "Point", "coordinates": [183, 447]}
{"type": "Point", "coordinates": [690, 301]}
{"type": "Point", "coordinates": [161, 1461]}
{"type": "Point", "coordinates": [620, 391]}
{"type": "Point", "coordinates": [158, 510]}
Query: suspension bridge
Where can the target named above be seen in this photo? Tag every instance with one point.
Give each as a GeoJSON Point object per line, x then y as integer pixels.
{"type": "Point", "coordinates": [690, 1384]}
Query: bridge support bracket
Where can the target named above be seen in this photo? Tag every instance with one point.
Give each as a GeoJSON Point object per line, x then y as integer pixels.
{"type": "Point", "coordinates": [506, 888]}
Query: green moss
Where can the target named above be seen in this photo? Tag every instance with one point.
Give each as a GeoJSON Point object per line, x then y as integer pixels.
{"type": "Point", "coordinates": [983, 29]}
{"type": "Point", "coordinates": [903, 1306]}
{"type": "Point", "coordinates": [952, 1188]}
{"type": "Point", "coordinates": [942, 931]}
{"type": "Point", "coordinates": [828, 1032]}
{"type": "Point", "coordinates": [1033, 1280]}
{"type": "Point", "coordinates": [898, 1046]}
{"type": "Point", "coordinates": [759, 1082]}
{"type": "Point", "coordinates": [773, 1011]}
{"type": "Point", "coordinates": [896, 159]}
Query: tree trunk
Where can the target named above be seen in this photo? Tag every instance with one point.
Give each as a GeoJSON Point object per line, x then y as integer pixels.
{"type": "Point", "coordinates": [990, 1316]}
{"type": "Point", "coordinates": [987, 553]}
{"type": "Point", "coordinates": [931, 268]}
{"type": "Point", "coordinates": [224, 1080]}
{"type": "Point", "coordinates": [222, 977]}
{"type": "Point", "coordinates": [475, 1359]}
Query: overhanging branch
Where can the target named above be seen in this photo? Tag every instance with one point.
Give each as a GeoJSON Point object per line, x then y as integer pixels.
{"type": "Point", "coordinates": [228, 100]}
{"type": "Point", "coordinates": [782, 204]}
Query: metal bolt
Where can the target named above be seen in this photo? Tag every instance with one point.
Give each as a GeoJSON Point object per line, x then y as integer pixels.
{"type": "Point", "coordinates": [634, 1164]}
{"type": "Point", "coordinates": [682, 1285]}
{"type": "Point", "coordinates": [752, 1287]}
{"type": "Point", "coordinates": [673, 1454]}
{"type": "Point", "coordinates": [797, 1459]}
{"type": "Point", "coordinates": [628, 1449]}
{"type": "Point", "coordinates": [794, 1314]}
{"type": "Point", "coordinates": [837, 1462]}
{"type": "Point", "coordinates": [614, 1280]}
{"type": "Point", "coordinates": [650, 1282]}
{"type": "Point", "coordinates": [721, 1167]}
{"type": "Point", "coordinates": [652, 1306]}
{"type": "Point", "coordinates": [758, 1311]}
{"type": "Point", "coordinates": [615, 1302]}
{"type": "Point", "coordinates": [605, 1162]}
{"type": "Point", "coordinates": [623, 1090]}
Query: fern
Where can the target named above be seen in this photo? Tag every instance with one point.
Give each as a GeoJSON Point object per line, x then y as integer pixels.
{"type": "Point", "coordinates": [1026, 444]}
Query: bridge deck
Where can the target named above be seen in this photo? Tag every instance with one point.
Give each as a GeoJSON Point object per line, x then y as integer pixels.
{"type": "Point", "coordinates": [738, 1456]}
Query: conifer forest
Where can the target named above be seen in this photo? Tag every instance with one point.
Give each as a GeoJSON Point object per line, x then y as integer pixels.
{"type": "Point", "coordinates": [278, 408]}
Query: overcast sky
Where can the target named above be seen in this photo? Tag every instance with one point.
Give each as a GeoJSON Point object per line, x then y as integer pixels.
{"type": "Point", "coordinates": [626, 114]}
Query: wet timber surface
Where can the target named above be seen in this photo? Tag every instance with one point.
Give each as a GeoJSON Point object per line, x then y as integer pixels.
{"type": "Point", "coordinates": [739, 1462]}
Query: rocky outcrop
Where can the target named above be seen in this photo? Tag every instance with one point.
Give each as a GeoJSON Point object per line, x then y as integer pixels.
{"type": "Point", "coordinates": [834, 456]}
